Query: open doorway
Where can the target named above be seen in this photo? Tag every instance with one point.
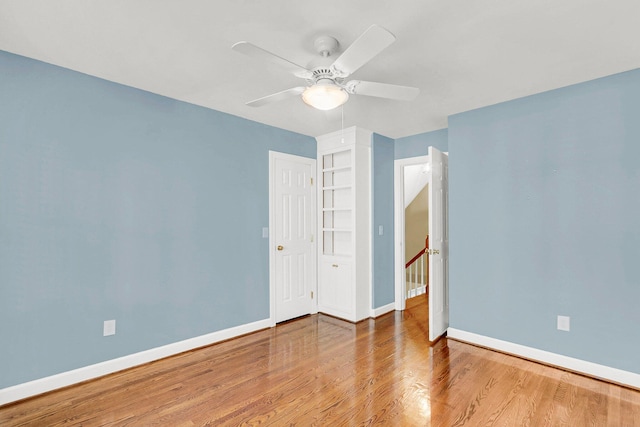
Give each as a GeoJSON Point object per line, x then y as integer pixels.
{"type": "Point", "coordinates": [411, 197]}
{"type": "Point", "coordinates": [432, 272]}
{"type": "Point", "coordinates": [416, 229]}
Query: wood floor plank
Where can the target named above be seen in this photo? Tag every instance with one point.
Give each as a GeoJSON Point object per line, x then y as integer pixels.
{"type": "Point", "coordinates": [319, 371]}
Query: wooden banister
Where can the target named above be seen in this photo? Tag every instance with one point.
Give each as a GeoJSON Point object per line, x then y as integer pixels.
{"type": "Point", "coordinates": [419, 254]}
{"type": "Point", "coordinates": [415, 258]}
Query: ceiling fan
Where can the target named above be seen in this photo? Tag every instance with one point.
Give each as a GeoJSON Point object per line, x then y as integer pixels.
{"type": "Point", "coordinates": [326, 87]}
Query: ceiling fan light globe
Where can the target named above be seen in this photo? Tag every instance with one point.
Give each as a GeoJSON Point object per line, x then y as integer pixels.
{"type": "Point", "coordinates": [325, 96]}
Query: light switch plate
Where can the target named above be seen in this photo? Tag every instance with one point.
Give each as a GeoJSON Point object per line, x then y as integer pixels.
{"type": "Point", "coordinates": [265, 232]}
{"type": "Point", "coordinates": [564, 323]}
{"type": "Point", "coordinates": [109, 328]}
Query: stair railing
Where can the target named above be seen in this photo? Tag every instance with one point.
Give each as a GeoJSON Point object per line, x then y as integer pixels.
{"type": "Point", "coordinates": [416, 279]}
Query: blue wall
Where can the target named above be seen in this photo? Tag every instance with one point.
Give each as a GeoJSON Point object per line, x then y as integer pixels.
{"type": "Point", "coordinates": [382, 193]}
{"type": "Point", "coordinates": [120, 204]}
{"type": "Point", "coordinates": [545, 220]}
{"type": "Point", "coordinates": [418, 145]}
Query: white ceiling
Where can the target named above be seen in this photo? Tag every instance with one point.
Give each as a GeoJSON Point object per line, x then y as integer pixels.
{"type": "Point", "coordinates": [462, 54]}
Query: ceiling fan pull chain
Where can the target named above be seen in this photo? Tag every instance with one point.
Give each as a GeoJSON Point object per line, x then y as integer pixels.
{"type": "Point", "coordinates": [342, 114]}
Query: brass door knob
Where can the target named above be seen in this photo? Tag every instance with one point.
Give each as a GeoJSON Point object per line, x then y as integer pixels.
{"type": "Point", "coordinates": [280, 247]}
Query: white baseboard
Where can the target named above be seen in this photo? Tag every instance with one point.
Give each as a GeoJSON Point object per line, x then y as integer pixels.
{"type": "Point", "coordinates": [414, 292]}
{"type": "Point", "coordinates": [376, 312]}
{"type": "Point", "coordinates": [614, 375]}
{"type": "Point", "coordinates": [43, 385]}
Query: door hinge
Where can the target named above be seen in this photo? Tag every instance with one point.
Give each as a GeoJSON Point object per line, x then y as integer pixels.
{"type": "Point", "coordinates": [311, 180]}
{"type": "Point", "coordinates": [311, 238]}
{"type": "Point", "coordinates": [311, 294]}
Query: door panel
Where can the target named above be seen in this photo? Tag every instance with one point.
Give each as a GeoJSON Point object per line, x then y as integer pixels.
{"type": "Point", "coordinates": [438, 245]}
{"type": "Point", "coordinates": [294, 230]}
{"type": "Point", "coordinates": [337, 298]}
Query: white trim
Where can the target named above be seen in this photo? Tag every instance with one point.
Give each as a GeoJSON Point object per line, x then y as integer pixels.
{"type": "Point", "coordinates": [377, 312]}
{"type": "Point", "coordinates": [272, 227]}
{"type": "Point", "coordinates": [351, 135]}
{"type": "Point", "coordinates": [398, 205]}
{"type": "Point", "coordinates": [372, 226]}
{"type": "Point", "coordinates": [273, 155]}
{"type": "Point", "coordinates": [43, 385]}
{"type": "Point", "coordinates": [614, 375]}
{"type": "Point", "coordinates": [417, 291]}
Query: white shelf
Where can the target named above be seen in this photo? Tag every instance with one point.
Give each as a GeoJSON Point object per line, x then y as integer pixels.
{"type": "Point", "coordinates": [337, 169]}
{"type": "Point", "coordinates": [337, 160]}
{"type": "Point", "coordinates": [337, 200]}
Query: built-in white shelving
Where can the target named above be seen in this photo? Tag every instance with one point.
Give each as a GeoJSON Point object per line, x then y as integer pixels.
{"type": "Point", "coordinates": [344, 285]}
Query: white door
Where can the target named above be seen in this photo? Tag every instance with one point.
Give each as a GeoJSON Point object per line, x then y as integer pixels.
{"type": "Point", "coordinates": [292, 239]}
{"type": "Point", "coordinates": [438, 244]}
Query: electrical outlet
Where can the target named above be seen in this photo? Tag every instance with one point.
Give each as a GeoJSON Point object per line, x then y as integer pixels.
{"type": "Point", "coordinates": [109, 328]}
{"type": "Point", "coordinates": [564, 323]}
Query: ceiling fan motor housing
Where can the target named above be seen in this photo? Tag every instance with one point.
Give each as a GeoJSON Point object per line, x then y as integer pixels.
{"type": "Point", "coordinates": [324, 75]}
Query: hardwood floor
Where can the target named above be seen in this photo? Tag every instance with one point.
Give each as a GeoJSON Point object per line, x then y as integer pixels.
{"type": "Point", "coordinates": [322, 371]}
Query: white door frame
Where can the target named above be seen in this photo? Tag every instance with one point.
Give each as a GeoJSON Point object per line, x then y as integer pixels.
{"type": "Point", "coordinates": [398, 203]}
{"type": "Point", "coordinates": [273, 155]}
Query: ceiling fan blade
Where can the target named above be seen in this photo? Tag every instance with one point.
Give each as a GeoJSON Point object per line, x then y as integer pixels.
{"type": "Point", "coordinates": [275, 97]}
{"type": "Point", "coordinates": [373, 41]}
{"type": "Point", "coordinates": [382, 90]}
{"type": "Point", "coordinates": [254, 51]}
